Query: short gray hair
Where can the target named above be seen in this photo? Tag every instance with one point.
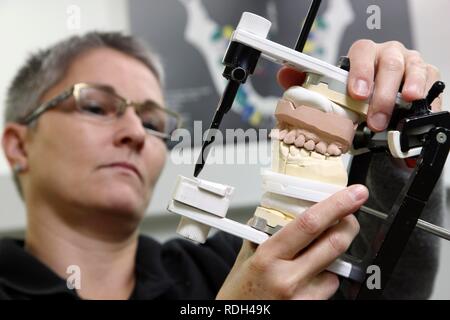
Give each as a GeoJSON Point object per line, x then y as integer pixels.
{"type": "Point", "coordinates": [47, 67]}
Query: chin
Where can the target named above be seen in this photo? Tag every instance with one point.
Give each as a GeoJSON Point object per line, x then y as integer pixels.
{"type": "Point", "coordinates": [124, 200]}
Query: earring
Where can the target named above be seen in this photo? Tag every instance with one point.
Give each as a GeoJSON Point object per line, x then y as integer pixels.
{"type": "Point", "coordinates": [18, 168]}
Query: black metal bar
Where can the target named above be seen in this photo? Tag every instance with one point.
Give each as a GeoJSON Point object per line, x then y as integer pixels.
{"type": "Point", "coordinates": [225, 104]}
{"type": "Point", "coordinates": [407, 209]}
{"type": "Point", "coordinates": [240, 61]}
{"type": "Point", "coordinates": [303, 37]}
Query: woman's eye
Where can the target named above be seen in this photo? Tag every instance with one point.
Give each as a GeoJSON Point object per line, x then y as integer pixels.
{"type": "Point", "coordinates": [151, 126]}
{"type": "Point", "coordinates": [94, 109]}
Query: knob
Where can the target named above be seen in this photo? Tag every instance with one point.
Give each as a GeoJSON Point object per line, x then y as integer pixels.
{"type": "Point", "coordinates": [255, 24]}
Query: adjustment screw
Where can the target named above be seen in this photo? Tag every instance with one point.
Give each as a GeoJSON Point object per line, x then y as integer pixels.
{"type": "Point", "coordinates": [441, 137]}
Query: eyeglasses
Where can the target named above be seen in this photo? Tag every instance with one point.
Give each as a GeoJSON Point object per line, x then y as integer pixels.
{"type": "Point", "coordinates": [102, 103]}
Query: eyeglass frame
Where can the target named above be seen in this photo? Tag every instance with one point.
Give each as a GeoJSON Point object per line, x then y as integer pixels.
{"type": "Point", "coordinates": [74, 91]}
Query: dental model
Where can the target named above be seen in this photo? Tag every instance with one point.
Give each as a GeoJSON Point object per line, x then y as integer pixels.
{"type": "Point", "coordinates": [311, 135]}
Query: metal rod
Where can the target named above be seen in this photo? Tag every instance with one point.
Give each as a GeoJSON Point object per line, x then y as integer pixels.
{"type": "Point", "coordinates": [224, 106]}
{"type": "Point", "coordinates": [312, 13]}
{"type": "Point", "coordinates": [426, 226]}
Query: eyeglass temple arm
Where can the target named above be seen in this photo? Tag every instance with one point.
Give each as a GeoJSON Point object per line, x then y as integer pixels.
{"type": "Point", "coordinates": [48, 105]}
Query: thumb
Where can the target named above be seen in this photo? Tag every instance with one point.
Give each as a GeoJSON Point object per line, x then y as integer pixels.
{"type": "Point", "coordinates": [288, 77]}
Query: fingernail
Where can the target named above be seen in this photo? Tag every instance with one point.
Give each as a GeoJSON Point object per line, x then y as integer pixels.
{"type": "Point", "coordinates": [361, 87]}
{"type": "Point", "coordinates": [379, 120]}
{"type": "Point", "coordinates": [358, 192]}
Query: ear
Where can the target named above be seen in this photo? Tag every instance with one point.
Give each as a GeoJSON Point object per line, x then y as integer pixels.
{"type": "Point", "coordinates": [13, 143]}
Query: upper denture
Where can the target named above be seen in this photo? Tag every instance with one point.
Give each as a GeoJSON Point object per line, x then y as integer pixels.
{"type": "Point", "coordinates": [289, 138]}
{"type": "Point", "coordinates": [300, 141]}
{"type": "Point", "coordinates": [316, 125]}
{"type": "Point", "coordinates": [333, 150]}
{"type": "Point", "coordinates": [309, 145]}
{"type": "Point", "coordinates": [282, 134]}
{"type": "Point", "coordinates": [321, 147]}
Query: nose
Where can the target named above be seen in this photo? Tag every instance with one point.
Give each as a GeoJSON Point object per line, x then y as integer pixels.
{"type": "Point", "coordinates": [130, 131]}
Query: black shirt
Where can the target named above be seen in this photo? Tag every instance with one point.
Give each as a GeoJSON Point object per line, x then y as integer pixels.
{"type": "Point", "coordinates": [177, 269]}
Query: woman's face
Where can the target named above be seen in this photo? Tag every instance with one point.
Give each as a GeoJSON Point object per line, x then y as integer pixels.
{"type": "Point", "coordinates": [92, 166]}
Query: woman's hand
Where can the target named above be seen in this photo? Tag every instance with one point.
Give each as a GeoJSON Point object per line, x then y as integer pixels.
{"type": "Point", "coordinates": [377, 71]}
{"type": "Point", "coordinates": [291, 264]}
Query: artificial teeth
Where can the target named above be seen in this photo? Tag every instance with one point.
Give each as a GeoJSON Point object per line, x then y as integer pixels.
{"type": "Point", "coordinates": [310, 136]}
{"type": "Point", "coordinates": [275, 134]}
{"type": "Point", "coordinates": [309, 145]}
{"type": "Point", "coordinates": [321, 147]}
{"type": "Point", "coordinates": [317, 155]}
{"type": "Point", "coordinates": [304, 153]}
{"type": "Point", "coordinates": [333, 150]}
{"type": "Point", "coordinates": [284, 149]}
{"type": "Point", "coordinates": [300, 141]}
{"type": "Point", "coordinates": [289, 138]}
{"type": "Point", "coordinates": [293, 150]}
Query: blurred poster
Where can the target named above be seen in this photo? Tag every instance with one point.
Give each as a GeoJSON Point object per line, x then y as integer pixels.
{"type": "Point", "coordinates": [191, 36]}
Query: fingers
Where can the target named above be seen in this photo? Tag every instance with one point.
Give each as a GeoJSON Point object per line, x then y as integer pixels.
{"type": "Point", "coordinates": [327, 248]}
{"type": "Point", "coordinates": [389, 75]}
{"type": "Point", "coordinates": [299, 233]}
{"type": "Point", "coordinates": [362, 57]}
{"type": "Point", "coordinates": [322, 287]}
{"type": "Point", "coordinates": [414, 86]}
{"type": "Point", "coordinates": [389, 63]}
{"type": "Point", "coordinates": [376, 72]}
{"type": "Point", "coordinates": [288, 77]}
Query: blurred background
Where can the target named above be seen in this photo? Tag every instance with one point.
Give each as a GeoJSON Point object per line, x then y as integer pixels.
{"type": "Point", "coordinates": [191, 37]}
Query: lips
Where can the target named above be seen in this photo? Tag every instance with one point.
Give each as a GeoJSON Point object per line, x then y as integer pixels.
{"type": "Point", "coordinates": [125, 165]}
